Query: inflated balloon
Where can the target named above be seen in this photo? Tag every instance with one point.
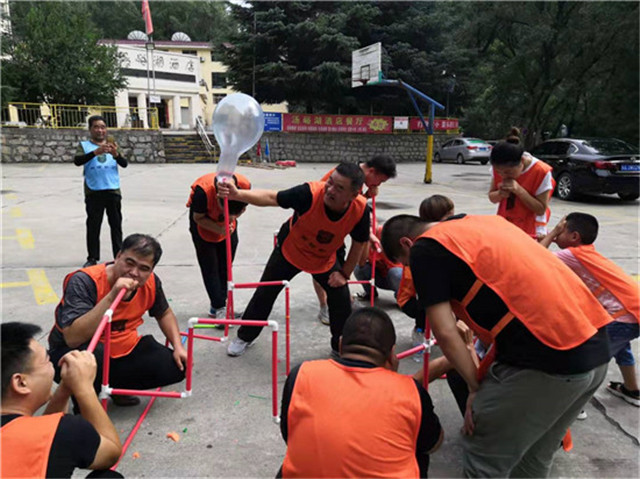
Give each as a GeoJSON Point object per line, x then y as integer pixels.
{"type": "Point", "coordinates": [238, 123]}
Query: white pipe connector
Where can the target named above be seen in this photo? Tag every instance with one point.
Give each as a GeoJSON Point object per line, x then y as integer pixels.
{"type": "Point", "coordinates": [286, 283]}
{"type": "Point", "coordinates": [276, 419]}
{"type": "Point", "coordinates": [105, 392]}
{"type": "Point", "coordinates": [273, 325]}
{"type": "Point", "coordinates": [192, 321]}
{"type": "Point", "coordinates": [230, 285]}
{"type": "Point", "coordinates": [109, 314]}
{"type": "Point", "coordinates": [185, 394]}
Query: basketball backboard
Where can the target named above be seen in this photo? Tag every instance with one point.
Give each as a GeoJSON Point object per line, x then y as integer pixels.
{"type": "Point", "coordinates": [366, 65]}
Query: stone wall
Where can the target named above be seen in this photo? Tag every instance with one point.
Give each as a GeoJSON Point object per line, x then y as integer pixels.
{"type": "Point", "coordinates": [48, 145]}
{"type": "Point", "coordinates": [35, 145]}
{"type": "Point", "coordinates": [327, 147]}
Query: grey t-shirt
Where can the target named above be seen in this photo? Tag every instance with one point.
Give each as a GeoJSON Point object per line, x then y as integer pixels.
{"type": "Point", "coordinates": [81, 296]}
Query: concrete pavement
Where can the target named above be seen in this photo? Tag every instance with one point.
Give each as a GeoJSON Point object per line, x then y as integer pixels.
{"type": "Point", "coordinates": [226, 427]}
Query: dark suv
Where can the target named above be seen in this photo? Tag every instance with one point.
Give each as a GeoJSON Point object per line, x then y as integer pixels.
{"type": "Point", "coordinates": [595, 165]}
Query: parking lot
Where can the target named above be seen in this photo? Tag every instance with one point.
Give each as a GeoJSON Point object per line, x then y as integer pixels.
{"type": "Point", "coordinates": [226, 427]}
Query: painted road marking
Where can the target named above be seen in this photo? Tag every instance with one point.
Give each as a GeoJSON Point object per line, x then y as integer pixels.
{"type": "Point", "coordinates": [23, 236]}
{"type": "Point", "coordinates": [15, 212]}
{"type": "Point", "coordinates": [11, 196]}
{"type": "Point", "coordinates": [42, 290]}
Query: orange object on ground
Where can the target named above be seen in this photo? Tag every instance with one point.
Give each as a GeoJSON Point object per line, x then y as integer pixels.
{"type": "Point", "coordinates": [135, 455]}
{"type": "Point", "coordinates": [174, 436]}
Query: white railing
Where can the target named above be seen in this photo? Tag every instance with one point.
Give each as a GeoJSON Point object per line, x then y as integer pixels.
{"type": "Point", "coordinates": [210, 147]}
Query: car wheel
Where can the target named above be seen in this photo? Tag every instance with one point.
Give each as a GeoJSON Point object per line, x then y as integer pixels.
{"type": "Point", "coordinates": [460, 159]}
{"type": "Point", "coordinates": [566, 188]}
{"type": "Point", "coordinates": [437, 158]}
{"type": "Point", "coordinates": [484, 162]}
{"type": "Point", "coordinates": [629, 196]}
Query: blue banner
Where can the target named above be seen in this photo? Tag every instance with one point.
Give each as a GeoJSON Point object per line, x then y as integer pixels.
{"type": "Point", "coordinates": [272, 121]}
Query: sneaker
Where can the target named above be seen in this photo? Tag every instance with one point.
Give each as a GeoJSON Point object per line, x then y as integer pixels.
{"type": "Point", "coordinates": [323, 315]}
{"type": "Point", "coordinates": [90, 262]}
{"type": "Point", "coordinates": [125, 401]}
{"type": "Point", "coordinates": [221, 313]}
{"type": "Point", "coordinates": [618, 389]}
{"type": "Point", "coordinates": [582, 416]}
{"type": "Point", "coordinates": [417, 338]}
{"type": "Point", "coordinates": [237, 347]}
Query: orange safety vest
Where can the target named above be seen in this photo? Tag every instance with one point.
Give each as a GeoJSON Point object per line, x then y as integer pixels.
{"type": "Point", "coordinates": [128, 315]}
{"type": "Point", "coordinates": [407, 289]}
{"type": "Point", "coordinates": [332, 435]}
{"type": "Point", "coordinates": [519, 214]}
{"type": "Point", "coordinates": [313, 239]}
{"type": "Point", "coordinates": [214, 211]}
{"type": "Point", "coordinates": [525, 275]}
{"type": "Point", "coordinates": [611, 277]}
{"type": "Point", "coordinates": [26, 445]}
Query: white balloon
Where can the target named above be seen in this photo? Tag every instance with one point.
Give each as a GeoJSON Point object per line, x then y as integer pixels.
{"type": "Point", "coordinates": [238, 123]}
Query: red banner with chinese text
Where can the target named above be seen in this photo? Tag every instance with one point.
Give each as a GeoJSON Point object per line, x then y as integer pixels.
{"type": "Point", "coordinates": [306, 123]}
{"type": "Point", "coordinates": [439, 124]}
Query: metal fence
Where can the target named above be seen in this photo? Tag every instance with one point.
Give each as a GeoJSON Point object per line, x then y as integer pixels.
{"type": "Point", "coordinates": [42, 115]}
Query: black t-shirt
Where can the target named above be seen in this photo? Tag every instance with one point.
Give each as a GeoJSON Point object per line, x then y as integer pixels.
{"type": "Point", "coordinates": [441, 276]}
{"type": "Point", "coordinates": [81, 296]}
{"type": "Point", "coordinates": [199, 204]}
{"type": "Point", "coordinates": [299, 198]}
{"type": "Point", "coordinates": [430, 428]}
{"type": "Point", "coordinates": [74, 445]}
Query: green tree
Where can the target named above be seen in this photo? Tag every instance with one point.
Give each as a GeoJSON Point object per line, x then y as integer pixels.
{"type": "Point", "coordinates": [53, 56]}
{"type": "Point", "coordinates": [301, 52]}
{"type": "Point", "coordinates": [540, 65]}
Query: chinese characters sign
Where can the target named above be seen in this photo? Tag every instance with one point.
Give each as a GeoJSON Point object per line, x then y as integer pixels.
{"type": "Point", "coordinates": [304, 123]}
{"type": "Point", "coordinates": [438, 124]}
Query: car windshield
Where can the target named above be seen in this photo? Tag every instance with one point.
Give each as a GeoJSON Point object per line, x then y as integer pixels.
{"type": "Point", "coordinates": [609, 146]}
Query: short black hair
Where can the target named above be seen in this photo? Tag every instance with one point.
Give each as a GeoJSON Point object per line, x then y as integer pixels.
{"type": "Point", "coordinates": [383, 164]}
{"type": "Point", "coordinates": [398, 227]}
{"type": "Point", "coordinates": [235, 206]}
{"type": "Point", "coordinates": [369, 327]}
{"type": "Point", "coordinates": [506, 154]}
{"type": "Point", "coordinates": [16, 352]}
{"type": "Point", "coordinates": [144, 245]}
{"type": "Point", "coordinates": [94, 118]}
{"type": "Point", "coordinates": [353, 172]}
{"type": "Point", "coordinates": [585, 225]}
{"type": "Point", "coordinates": [435, 208]}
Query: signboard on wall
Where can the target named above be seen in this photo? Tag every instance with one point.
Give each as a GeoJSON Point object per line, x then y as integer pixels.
{"type": "Point", "coordinates": [306, 123]}
{"type": "Point", "coordinates": [272, 121]}
{"type": "Point", "coordinates": [439, 124]}
{"type": "Point", "coordinates": [400, 122]}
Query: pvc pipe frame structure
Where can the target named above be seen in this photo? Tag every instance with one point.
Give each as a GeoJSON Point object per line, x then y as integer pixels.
{"type": "Point", "coordinates": [426, 347]}
{"type": "Point", "coordinates": [105, 328]}
{"type": "Point", "coordinates": [193, 322]}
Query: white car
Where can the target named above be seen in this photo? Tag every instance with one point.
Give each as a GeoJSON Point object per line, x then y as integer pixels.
{"type": "Point", "coordinates": [462, 150]}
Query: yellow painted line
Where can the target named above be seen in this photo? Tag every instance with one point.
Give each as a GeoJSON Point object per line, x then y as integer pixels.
{"type": "Point", "coordinates": [15, 284]}
{"type": "Point", "coordinates": [42, 289]}
{"type": "Point", "coordinates": [11, 196]}
{"type": "Point", "coordinates": [15, 212]}
{"type": "Point", "coordinates": [25, 238]}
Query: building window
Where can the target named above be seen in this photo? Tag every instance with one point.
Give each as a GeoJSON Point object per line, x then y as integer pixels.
{"type": "Point", "coordinates": [217, 98]}
{"type": "Point", "coordinates": [190, 52]}
{"type": "Point", "coordinates": [218, 80]}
